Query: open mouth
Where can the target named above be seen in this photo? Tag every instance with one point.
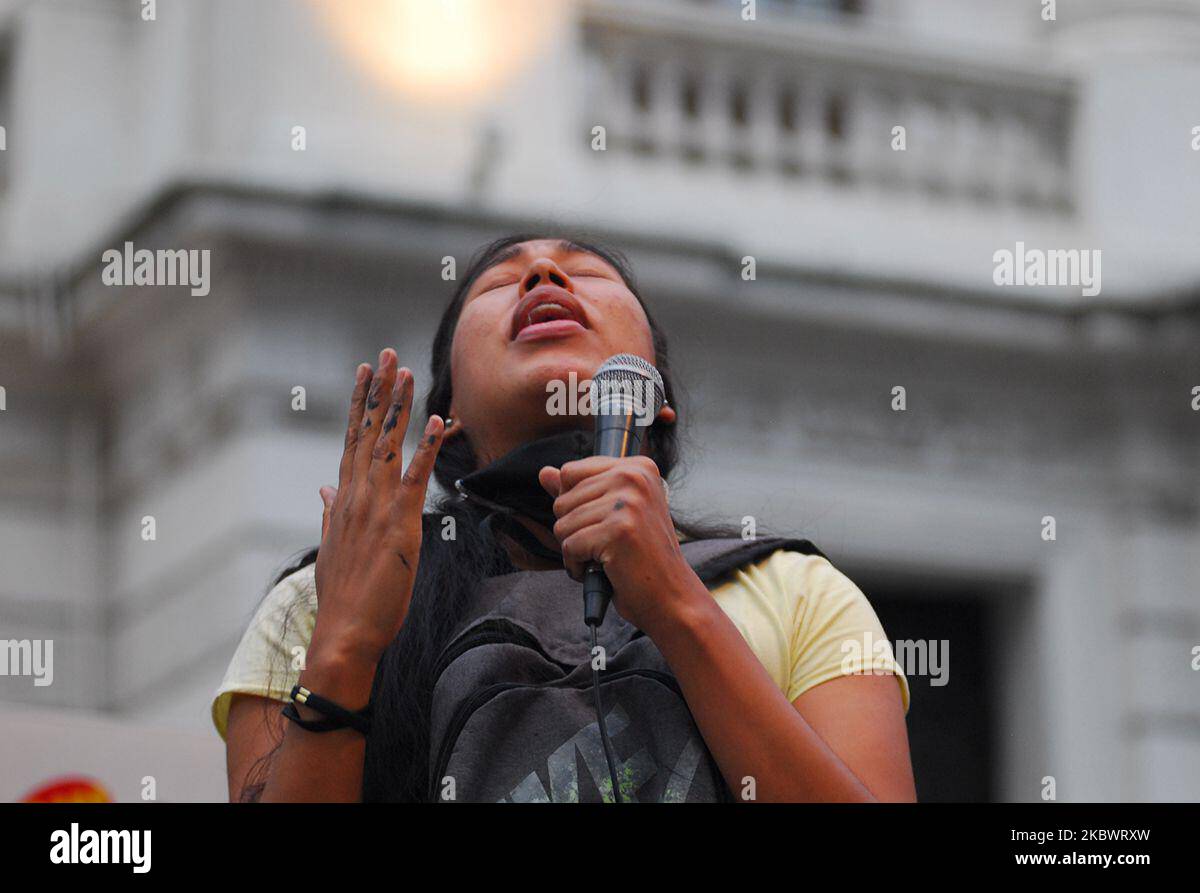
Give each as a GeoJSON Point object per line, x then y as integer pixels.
{"type": "Point", "coordinates": [547, 312]}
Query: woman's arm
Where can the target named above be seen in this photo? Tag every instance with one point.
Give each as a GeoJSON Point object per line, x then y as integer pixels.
{"type": "Point", "coordinates": [269, 759]}
{"type": "Point", "coordinates": [842, 740]}
{"type": "Point", "coordinates": [366, 565]}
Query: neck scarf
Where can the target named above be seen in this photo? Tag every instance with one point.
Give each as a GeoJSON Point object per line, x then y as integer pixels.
{"type": "Point", "coordinates": [509, 486]}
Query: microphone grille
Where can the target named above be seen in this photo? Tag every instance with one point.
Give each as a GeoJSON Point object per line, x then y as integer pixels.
{"type": "Point", "coordinates": [626, 367]}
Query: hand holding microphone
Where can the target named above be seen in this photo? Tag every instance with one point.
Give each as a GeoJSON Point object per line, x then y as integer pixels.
{"type": "Point", "coordinates": [614, 523]}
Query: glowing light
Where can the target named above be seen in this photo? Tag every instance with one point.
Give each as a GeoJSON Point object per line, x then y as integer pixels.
{"type": "Point", "coordinates": [442, 49]}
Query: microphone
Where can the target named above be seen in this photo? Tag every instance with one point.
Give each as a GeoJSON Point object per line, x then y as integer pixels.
{"type": "Point", "coordinates": [627, 394]}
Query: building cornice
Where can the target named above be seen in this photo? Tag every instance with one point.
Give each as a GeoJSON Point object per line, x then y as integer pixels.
{"type": "Point", "coordinates": [680, 269]}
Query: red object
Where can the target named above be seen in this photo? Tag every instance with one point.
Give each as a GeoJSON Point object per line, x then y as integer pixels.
{"type": "Point", "coordinates": [69, 789]}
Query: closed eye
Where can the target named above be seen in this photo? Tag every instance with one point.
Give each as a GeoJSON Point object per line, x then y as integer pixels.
{"type": "Point", "coordinates": [505, 281]}
{"type": "Point", "coordinates": [492, 286]}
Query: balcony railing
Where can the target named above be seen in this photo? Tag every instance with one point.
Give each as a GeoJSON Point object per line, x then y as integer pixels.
{"type": "Point", "coordinates": [819, 103]}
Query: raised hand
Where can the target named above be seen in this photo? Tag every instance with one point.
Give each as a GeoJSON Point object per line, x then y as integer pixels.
{"type": "Point", "coordinates": [371, 527]}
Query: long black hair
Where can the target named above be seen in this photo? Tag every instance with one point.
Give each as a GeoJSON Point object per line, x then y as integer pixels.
{"type": "Point", "coordinates": [396, 767]}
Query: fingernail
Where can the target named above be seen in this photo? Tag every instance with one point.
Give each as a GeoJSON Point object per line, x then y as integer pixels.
{"type": "Point", "coordinates": [361, 374]}
{"type": "Point", "coordinates": [429, 426]}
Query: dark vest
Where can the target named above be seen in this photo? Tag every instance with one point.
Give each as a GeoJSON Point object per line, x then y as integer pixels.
{"type": "Point", "coordinates": [513, 717]}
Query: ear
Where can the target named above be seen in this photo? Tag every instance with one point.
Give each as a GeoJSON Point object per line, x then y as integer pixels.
{"type": "Point", "coordinates": [453, 425]}
{"type": "Point", "coordinates": [667, 416]}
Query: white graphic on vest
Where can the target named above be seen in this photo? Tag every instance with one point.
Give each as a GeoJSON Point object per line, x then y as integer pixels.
{"type": "Point", "coordinates": [633, 773]}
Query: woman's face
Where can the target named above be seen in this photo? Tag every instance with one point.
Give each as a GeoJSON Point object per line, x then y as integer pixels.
{"type": "Point", "coordinates": [543, 310]}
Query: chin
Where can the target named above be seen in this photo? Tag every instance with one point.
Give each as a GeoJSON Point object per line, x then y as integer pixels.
{"type": "Point", "coordinates": [545, 384]}
{"type": "Point", "coordinates": [558, 424]}
{"type": "Point", "coordinates": [536, 372]}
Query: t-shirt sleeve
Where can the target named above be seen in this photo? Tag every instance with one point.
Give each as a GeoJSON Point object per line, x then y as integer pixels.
{"type": "Point", "coordinates": [269, 657]}
{"type": "Point", "coordinates": [835, 631]}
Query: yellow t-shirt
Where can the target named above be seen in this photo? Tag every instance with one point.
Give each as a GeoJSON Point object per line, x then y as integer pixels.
{"type": "Point", "coordinates": [804, 620]}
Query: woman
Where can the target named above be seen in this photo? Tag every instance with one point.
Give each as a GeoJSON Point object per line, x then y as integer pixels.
{"type": "Point", "coordinates": [784, 713]}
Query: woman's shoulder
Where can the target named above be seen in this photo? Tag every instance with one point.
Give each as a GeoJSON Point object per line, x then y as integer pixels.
{"type": "Point", "coordinates": [265, 660]}
{"type": "Point", "coordinates": [796, 573]}
{"type": "Point", "coordinates": [805, 592]}
{"type": "Point", "coordinates": [301, 581]}
{"type": "Point", "coordinates": [295, 593]}
{"type": "Point", "coordinates": [830, 626]}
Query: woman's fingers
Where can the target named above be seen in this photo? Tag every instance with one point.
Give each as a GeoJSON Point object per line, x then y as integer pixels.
{"type": "Point", "coordinates": [387, 457]}
{"type": "Point", "coordinates": [586, 515]}
{"type": "Point", "coordinates": [581, 548]}
{"type": "Point", "coordinates": [377, 404]}
{"type": "Point", "coordinates": [328, 494]}
{"type": "Point", "coordinates": [551, 480]}
{"type": "Point", "coordinates": [574, 473]}
{"type": "Point", "coordinates": [581, 494]}
{"type": "Point", "coordinates": [358, 400]}
{"type": "Point", "coordinates": [416, 476]}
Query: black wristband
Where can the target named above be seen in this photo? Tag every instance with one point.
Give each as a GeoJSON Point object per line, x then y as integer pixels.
{"type": "Point", "coordinates": [336, 716]}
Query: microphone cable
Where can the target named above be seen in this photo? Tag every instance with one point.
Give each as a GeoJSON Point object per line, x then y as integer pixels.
{"type": "Point", "coordinates": [604, 739]}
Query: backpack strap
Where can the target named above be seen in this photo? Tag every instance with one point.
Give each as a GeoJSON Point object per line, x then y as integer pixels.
{"type": "Point", "coordinates": [713, 559]}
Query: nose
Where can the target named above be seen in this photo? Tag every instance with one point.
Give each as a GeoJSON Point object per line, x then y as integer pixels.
{"type": "Point", "coordinates": [544, 270]}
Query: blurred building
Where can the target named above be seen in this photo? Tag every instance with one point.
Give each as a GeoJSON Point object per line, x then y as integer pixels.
{"type": "Point", "coordinates": [807, 257]}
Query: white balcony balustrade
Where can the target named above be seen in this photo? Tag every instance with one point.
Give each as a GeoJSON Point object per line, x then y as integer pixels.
{"type": "Point", "coordinates": [782, 102]}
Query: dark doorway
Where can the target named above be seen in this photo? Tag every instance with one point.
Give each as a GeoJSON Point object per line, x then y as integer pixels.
{"type": "Point", "coordinates": [951, 727]}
